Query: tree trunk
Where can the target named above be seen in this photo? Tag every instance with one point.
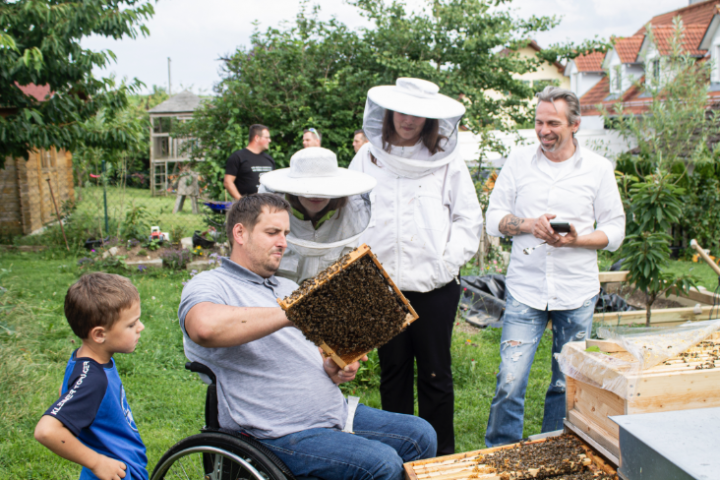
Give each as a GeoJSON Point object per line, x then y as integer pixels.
{"type": "Point", "coordinates": [650, 299]}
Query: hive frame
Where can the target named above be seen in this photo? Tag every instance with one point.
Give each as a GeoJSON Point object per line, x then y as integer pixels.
{"type": "Point", "coordinates": [360, 252]}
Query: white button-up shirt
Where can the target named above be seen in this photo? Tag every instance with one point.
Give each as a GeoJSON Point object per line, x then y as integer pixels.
{"type": "Point", "coordinates": [584, 195]}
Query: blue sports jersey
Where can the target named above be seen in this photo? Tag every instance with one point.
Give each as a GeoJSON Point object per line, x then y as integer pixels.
{"type": "Point", "coordinates": [94, 408]}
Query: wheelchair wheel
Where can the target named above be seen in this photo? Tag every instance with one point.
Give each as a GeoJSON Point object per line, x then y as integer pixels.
{"type": "Point", "coordinates": [216, 456]}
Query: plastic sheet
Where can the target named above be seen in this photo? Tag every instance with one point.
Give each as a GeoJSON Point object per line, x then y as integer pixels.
{"type": "Point", "coordinates": [611, 302]}
{"type": "Point", "coordinates": [620, 373]}
{"type": "Point", "coordinates": [483, 300]}
{"type": "Point", "coordinates": [653, 345]}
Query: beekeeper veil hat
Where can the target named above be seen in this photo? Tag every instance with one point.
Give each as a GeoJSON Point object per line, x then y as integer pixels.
{"type": "Point", "coordinates": [314, 173]}
{"type": "Point", "coordinates": [420, 98]}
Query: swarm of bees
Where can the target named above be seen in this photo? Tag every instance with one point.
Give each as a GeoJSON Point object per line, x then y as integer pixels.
{"type": "Point", "coordinates": [703, 356]}
{"type": "Point", "coordinates": [587, 476]}
{"type": "Point", "coordinates": [561, 457]}
{"type": "Point", "coordinates": [351, 307]}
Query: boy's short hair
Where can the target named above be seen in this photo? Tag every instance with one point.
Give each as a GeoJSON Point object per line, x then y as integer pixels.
{"type": "Point", "coordinates": [96, 300]}
{"type": "Point", "coordinates": [247, 210]}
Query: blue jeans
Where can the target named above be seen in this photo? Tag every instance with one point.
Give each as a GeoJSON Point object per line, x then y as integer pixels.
{"type": "Point", "coordinates": [523, 326]}
{"type": "Point", "coordinates": [382, 442]}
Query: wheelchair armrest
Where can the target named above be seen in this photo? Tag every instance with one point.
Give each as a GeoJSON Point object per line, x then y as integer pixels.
{"type": "Point", "coordinates": [198, 367]}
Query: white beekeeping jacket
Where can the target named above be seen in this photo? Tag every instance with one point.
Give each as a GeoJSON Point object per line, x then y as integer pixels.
{"type": "Point", "coordinates": [426, 218]}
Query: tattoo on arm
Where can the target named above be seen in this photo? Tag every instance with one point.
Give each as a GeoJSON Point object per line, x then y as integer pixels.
{"type": "Point", "coordinates": [510, 225]}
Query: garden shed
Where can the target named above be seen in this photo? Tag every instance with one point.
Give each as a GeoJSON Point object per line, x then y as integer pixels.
{"type": "Point", "coordinates": [25, 201]}
{"type": "Point", "coordinates": [26, 204]}
{"type": "Point", "coordinates": [167, 152]}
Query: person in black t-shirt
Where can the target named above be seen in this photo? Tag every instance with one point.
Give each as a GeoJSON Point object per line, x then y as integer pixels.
{"type": "Point", "coordinates": [244, 167]}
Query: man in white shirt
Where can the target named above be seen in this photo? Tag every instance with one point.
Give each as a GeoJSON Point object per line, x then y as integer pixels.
{"type": "Point", "coordinates": [555, 182]}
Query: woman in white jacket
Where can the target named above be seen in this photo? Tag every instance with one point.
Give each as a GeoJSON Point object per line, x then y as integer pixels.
{"type": "Point", "coordinates": [330, 207]}
{"type": "Point", "coordinates": [426, 224]}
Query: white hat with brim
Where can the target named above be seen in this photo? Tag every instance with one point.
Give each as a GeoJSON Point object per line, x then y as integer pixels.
{"type": "Point", "coordinates": [314, 172]}
{"type": "Point", "coordinates": [413, 96]}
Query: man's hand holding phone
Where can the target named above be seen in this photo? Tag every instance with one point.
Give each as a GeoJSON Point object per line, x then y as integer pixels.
{"type": "Point", "coordinates": [550, 231]}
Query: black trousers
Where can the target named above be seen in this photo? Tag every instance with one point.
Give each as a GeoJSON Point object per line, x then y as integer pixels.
{"type": "Point", "coordinates": [426, 341]}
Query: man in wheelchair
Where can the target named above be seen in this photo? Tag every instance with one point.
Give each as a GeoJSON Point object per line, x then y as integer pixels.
{"type": "Point", "coordinates": [272, 383]}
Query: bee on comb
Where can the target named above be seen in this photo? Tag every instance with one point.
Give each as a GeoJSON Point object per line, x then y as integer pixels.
{"type": "Point", "coordinates": [349, 308]}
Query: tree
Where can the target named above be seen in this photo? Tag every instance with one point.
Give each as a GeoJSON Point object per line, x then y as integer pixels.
{"type": "Point", "coordinates": [317, 73]}
{"type": "Point", "coordinates": [40, 45]}
{"type": "Point", "coordinates": [470, 49]}
{"type": "Point", "coordinates": [673, 171]}
{"type": "Point", "coordinates": [655, 206]}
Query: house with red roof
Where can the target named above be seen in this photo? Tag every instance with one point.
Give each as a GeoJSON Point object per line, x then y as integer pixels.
{"type": "Point", "coordinates": [584, 72]}
{"type": "Point", "coordinates": [623, 65]}
{"type": "Point", "coordinates": [640, 58]}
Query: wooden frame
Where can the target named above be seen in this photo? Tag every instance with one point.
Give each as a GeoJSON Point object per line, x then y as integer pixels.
{"type": "Point", "coordinates": [360, 252]}
{"type": "Point", "coordinates": [665, 316]}
{"type": "Point", "coordinates": [672, 385]}
{"type": "Point", "coordinates": [461, 466]}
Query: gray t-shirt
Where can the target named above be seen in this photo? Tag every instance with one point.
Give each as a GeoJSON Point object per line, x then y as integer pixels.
{"type": "Point", "coordinates": [270, 387]}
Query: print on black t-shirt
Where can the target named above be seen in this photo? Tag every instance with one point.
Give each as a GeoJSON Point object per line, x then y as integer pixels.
{"type": "Point", "coordinates": [247, 167]}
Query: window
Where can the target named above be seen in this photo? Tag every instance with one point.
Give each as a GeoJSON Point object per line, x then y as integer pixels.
{"type": "Point", "coordinates": [656, 71]}
{"type": "Point", "coordinates": [617, 79]}
{"type": "Point", "coordinates": [162, 124]}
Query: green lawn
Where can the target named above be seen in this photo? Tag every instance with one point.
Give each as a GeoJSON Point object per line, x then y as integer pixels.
{"type": "Point", "coordinates": [167, 401]}
{"type": "Point", "coordinates": [705, 275]}
{"type": "Point", "coordinates": [119, 202]}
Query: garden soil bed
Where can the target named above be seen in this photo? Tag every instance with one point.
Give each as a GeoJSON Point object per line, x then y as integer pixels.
{"type": "Point", "coordinates": [637, 299]}
{"type": "Point", "coordinates": [132, 255]}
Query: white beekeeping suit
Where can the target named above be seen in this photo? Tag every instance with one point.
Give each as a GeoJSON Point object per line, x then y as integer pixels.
{"type": "Point", "coordinates": [427, 219]}
{"type": "Point", "coordinates": [317, 239]}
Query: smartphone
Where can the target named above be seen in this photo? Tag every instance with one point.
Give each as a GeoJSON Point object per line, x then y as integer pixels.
{"type": "Point", "coordinates": [560, 227]}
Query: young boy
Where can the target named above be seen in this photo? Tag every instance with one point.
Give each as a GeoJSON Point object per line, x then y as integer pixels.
{"type": "Point", "coordinates": [91, 424]}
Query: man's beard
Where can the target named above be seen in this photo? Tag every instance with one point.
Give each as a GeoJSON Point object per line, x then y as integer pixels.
{"type": "Point", "coordinates": [265, 262]}
{"type": "Point", "coordinates": [551, 148]}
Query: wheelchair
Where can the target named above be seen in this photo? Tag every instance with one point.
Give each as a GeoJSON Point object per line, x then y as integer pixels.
{"type": "Point", "coordinates": [217, 453]}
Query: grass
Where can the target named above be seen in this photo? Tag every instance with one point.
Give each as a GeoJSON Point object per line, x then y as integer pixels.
{"type": "Point", "coordinates": [705, 275]}
{"type": "Point", "coordinates": [167, 401]}
{"type": "Point", "coordinates": [159, 208]}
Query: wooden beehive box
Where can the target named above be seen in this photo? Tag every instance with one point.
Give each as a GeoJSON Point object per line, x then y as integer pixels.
{"type": "Point", "coordinates": [327, 276]}
{"type": "Point", "coordinates": [675, 384]}
{"type": "Point", "coordinates": [462, 466]}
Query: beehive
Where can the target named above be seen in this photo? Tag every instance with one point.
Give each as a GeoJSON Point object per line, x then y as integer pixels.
{"type": "Point", "coordinates": [684, 382]}
{"type": "Point", "coordinates": [344, 308]}
{"type": "Point", "coordinates": [565, 457]}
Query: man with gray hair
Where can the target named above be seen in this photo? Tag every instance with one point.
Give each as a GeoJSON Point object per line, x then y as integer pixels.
{"type": "Point", "coordinates": [560, 203]}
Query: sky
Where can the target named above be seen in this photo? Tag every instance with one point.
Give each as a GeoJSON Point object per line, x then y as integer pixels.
{"type": "Point", "coordinates": [194, 34]}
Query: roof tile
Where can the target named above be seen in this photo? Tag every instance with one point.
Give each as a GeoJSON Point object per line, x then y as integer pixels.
{"type": "Point", "coordinates": [697, 14]}
{"type": "Point", "coordinates": [595, 95]}
{"type": "Point", "coordinates": [590, 62]}
{"type": "Point", "coordinates": [38, 92]}
{"type": "Point", "coordinates": [627, 48]}
{"type": "Point", "coordinates": [691, 38]}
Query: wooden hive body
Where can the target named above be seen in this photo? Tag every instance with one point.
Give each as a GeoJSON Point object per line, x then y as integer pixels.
{"type": "Point", "coordinates": [461, 466]}
{"type": "Point", "coordinates": [354, 256]}
{"type": "Point", "coordinates": [672, 385]}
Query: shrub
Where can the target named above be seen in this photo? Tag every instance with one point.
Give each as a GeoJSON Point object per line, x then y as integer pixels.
{"type": "Point", "coordinates": [176, 259]}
